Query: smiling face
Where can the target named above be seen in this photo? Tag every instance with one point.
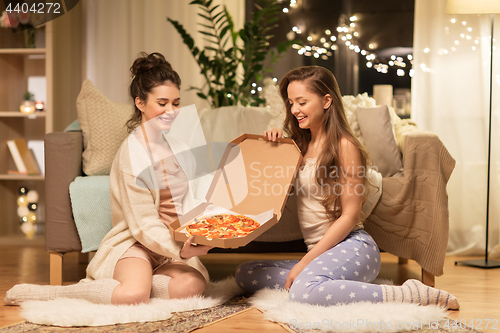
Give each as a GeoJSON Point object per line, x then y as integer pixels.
{"type": "Point", "coordinates": [307, 107]}
{"type": "Point", "coordinates": [162, 105]}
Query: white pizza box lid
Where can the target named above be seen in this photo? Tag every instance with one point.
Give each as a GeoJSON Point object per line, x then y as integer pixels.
{"type": "Point", "coordinates": [254, 178]}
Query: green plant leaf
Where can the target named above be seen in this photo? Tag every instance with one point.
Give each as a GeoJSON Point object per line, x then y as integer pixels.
{"type": "Point", "coordinates": [208, 18]}
{"type": "Point", "coordinates": [214, 8]}
{"type": "Point", "coordinates": [211, 48]}
{"type": "Point", "coordinates": [216, 17]}
{"type": "Point", "coordinates": [207, 33]}
{"type": "Point", "coordinates": [186, 37]}
{"type": "Point", "coordinates": [232, 60]}
{"type": "Point", "coordinates": [230, 22]}
{"type": "Point", "coordinates": [271, 20]}
{"type": "Point", "coordinates": [224, 31]}
{"type": "Point", "coordinates": [202, 95]}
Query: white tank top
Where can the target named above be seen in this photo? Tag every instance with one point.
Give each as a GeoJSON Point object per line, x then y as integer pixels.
{"type": "Point", "coordinates": [313, 219]}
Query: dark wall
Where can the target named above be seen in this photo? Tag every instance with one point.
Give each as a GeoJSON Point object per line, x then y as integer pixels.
{"type": "Point", "coordinates": [387, 23]}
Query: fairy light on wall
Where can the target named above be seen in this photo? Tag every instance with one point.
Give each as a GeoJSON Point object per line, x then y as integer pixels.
{"type": "Point", "coordinates": [461, 37]}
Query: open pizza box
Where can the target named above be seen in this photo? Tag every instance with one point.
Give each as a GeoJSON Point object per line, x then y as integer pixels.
{"type": "Point", "coordinates": [254, 179]}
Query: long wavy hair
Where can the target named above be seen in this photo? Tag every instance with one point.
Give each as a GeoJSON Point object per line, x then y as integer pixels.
{"type": "Point", "coordinates": [321, 81]}
{"type": "Point", "coordinates": [148, 71]}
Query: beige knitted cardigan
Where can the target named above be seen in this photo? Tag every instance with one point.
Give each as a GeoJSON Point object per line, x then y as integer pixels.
{"type": "Point", "coordinates": [135, 200]}
{"type": "Point", "coordinates": [411, 218]}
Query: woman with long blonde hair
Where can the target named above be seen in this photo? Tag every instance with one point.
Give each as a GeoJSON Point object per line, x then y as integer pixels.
{"type": "Point", "coordinates": [332, 184]}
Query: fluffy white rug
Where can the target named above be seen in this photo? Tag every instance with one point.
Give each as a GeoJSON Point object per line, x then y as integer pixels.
{"type": "Point", "coordinates": [75, 312]}
{"type": "Point", "coordinates": [355, 317]}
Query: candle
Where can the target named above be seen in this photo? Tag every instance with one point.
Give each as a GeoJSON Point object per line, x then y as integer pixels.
{"type": "Point", "coordinates": [383, 94]}
{"type": "Point", "coordinates": [39, 106]}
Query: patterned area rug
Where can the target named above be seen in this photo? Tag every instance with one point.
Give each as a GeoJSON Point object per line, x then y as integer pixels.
{"type": "Point", "coordinates": [186, 321]}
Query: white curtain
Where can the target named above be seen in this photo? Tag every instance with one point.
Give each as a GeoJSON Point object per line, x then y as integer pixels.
{"type": "Point", "coordinates": [117, 30]}
{"type": "Point", "coordinates": [450, 96]}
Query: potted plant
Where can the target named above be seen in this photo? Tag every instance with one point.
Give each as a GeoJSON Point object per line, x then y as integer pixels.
{"type": "Point", "coordinates": [234, 60]}
{"type": "Point", "coordinates": [26, 21]}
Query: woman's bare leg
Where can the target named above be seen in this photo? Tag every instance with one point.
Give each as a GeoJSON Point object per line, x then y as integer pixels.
{"type": "Point", "coordinates": [184, 281]}
{"type": "Point", "coordinates": [134, 275]}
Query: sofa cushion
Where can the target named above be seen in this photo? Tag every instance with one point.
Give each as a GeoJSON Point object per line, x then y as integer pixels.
{"type": "Point", "coordinates": [351, 105]}
{"type": "Point", "coordinates": [103, 127]}
{"type": "Point", "coordinates": [226, 123]}
{"type": "Point", "coordinates": [377, 128]}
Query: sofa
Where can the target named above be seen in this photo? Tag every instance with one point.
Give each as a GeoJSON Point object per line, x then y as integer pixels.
{"type": "Point", "coordinates": [410, 220]}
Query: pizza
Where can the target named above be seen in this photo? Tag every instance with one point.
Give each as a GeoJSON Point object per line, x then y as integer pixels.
{"type": "Point", "coordinates": [222, 226]}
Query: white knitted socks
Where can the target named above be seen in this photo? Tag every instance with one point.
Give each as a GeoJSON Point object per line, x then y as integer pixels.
{"type": "Point", "coordinates": [159, 287]}
{"type": "Point", "coordinates": [98, 291]}
{"type": "Point", "coordinates": [414, 291]}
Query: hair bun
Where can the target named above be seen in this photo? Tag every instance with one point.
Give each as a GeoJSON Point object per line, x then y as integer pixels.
{"type": "Point", "coordinates": [146, 62]}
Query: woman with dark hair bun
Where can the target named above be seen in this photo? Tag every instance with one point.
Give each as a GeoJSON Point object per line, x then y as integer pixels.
{"type": "Point", "coordinates": [149, 184]}
{"type": "Point", "coordinates": [147, 72]}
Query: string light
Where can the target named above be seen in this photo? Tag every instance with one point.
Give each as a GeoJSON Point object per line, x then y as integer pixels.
{"type": "Point", "coordinates": [462, 41]}
{"type": "Point", "coordinates": [320, 45]}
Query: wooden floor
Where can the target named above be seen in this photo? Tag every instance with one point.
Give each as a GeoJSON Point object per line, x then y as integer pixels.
{"type": "Point", "coordinates": [477, 290]}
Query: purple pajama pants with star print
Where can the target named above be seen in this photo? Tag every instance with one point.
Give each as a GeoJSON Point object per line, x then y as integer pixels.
{"type": "Point", "coordinates": [339, 275]}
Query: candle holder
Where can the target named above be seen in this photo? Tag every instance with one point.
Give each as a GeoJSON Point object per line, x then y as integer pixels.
{"type": "Point", "coordinates": [27, 107]}
{"type": "Point", "coordinates": [39, 106]}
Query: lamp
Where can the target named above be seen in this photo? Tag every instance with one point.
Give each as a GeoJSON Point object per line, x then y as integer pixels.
{"type": "Point", "coordinates": [481, 7]}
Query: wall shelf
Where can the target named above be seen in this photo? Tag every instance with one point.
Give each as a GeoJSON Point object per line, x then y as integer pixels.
{"type": "Point", "coordinates": [19, 114]}
{"type": "Point", "coordinates": [20, 177]}
{"type": "Point", "coordinates": [17, 64]}
{"type": "Point", "coordinates": [22, 51]}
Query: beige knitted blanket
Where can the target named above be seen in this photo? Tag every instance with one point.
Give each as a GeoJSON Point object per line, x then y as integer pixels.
{"type": "Point", "coordinates": [411, 218]}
